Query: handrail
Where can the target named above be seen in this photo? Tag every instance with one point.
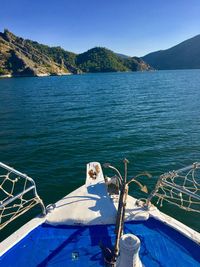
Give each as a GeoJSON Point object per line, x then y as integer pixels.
{"type": "Point", "coordinates": [180, 187]}
{"type": "Point", "coordinates": [14, 199]}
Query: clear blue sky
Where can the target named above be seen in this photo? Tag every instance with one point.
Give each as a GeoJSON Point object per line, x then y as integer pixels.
{"type": "Point", "coordinates": [132, 27]}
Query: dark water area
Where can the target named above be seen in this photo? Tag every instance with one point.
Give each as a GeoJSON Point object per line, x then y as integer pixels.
{"type": "Point", "coordinates": [51, 127]}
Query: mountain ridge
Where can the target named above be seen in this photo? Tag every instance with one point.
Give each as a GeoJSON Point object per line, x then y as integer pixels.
{"type": "Point", "coordinates": [24, 57]}
{"type": "Point", "coordinates": [185, 55]}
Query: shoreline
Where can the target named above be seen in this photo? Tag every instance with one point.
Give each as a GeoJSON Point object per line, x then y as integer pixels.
{"type": "Point", "coordinates": [66, 74]}
{"type": "Point", "coordinates": [5, 76]}
{"type": "Point", "coordinates": [38, 75]}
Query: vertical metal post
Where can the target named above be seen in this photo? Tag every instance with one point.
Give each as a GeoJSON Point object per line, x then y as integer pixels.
{"type": "Point", "coordinates": [121, 210]}
{"type": "Point", "coordinates": [125, 194]}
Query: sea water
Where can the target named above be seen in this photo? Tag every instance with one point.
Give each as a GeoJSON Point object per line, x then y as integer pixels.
{"type": "Point", "coordinates": [51, 127]}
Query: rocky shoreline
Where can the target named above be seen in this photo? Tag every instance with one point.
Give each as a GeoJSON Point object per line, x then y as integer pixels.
{"type": "Point", "coordinates": [38, 75]}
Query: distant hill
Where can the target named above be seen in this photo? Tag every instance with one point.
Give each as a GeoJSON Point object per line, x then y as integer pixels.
{"type": "Point", "coordinates": [185, 55]}
{"type": "Point", "coordinates": [20, 57]}
{"type": "Point", "coordinates": [100, 59]}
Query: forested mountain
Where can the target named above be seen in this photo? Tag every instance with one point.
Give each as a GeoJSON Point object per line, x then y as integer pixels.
{"type": "Point", "coordinates": [100, 59]}
{"type": "Point", "coordinates": [21, 57]}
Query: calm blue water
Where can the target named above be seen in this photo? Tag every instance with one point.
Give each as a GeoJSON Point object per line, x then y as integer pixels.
{"type": "Point", "coordinates": [51, 127]}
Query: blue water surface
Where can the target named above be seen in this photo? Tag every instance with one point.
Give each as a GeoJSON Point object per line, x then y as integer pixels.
{"type": "Point", "coordinates": [51, 127]}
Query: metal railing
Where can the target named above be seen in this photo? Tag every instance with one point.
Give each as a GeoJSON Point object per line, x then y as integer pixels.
{"type": "Point", "coordinates": [180, 188]}
{"type": "Point", "coordinates": [18, 194]}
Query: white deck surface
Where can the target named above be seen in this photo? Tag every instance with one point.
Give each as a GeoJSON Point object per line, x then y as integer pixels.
{"type": "Point", "coordinates": [91, 205]}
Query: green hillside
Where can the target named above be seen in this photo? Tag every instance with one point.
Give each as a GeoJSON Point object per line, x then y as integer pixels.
{"type": "Point", "coordinates": [100, 60]}
{"type": "Point", "coordinates": [21, 57]}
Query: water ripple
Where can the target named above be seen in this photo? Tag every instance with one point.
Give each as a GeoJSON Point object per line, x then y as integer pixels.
{"type": "Point", "coordinates": [51, 127]}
